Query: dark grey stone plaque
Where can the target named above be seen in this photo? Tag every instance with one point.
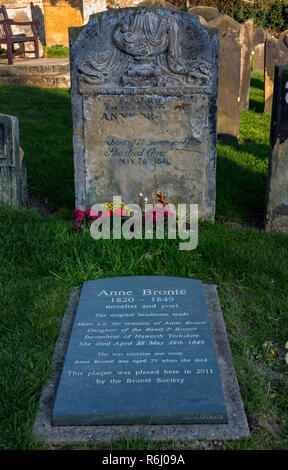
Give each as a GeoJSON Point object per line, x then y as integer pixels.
{"type": "Point", "coordinates": [141, 351]}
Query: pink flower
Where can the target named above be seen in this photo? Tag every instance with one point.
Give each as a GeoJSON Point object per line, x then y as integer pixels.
{"type": "Point", "coordinates": [107, 213]}
{"type": "Point", "coordinates": [120, 212]}
{"type": "Point", "coordinates": [92, 214]}
{"type": "Point", "coordinates": [158, 213]}
{"type": "Point", "coordinates": [79, 215]}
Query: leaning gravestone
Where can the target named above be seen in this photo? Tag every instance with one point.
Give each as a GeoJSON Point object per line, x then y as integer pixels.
{"type": "Point", "coordinates": [276, 53]}
{"type": "Point", "coordinates": [277, 185]}
{"type": "Point", "coordinates": [144, 85]}
{"type": "Point", "coordinates": [143, 356]}
{"type": "Point", "coordinates": [13, 190]}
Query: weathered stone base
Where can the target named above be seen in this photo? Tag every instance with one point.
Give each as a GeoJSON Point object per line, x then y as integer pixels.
{"type": "Point", "coordinates": [44, 73]}
{"type": "Point", "coordinates": [236, 428]}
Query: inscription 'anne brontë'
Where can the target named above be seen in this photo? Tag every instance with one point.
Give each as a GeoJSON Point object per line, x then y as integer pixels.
{"type": "Point", "coordinates": [144, 292]}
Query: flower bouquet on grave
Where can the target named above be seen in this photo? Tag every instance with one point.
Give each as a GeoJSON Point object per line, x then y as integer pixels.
{"type": "Point", "coordinates": [83, 219]}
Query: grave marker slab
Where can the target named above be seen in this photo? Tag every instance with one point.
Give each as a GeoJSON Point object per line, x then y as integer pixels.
{"type": "Point", "coordinates": [144, 98]}
{"type": "Point", "coordinates": [229, 89]}
{"type": "Point", "coordinates": [276, 53]}
{"type": "Point", "coordinates": [13, 190]}
{"type": "Point", "coordinates": [141, 351]}
{"type": "Point", "coordinates": [277, 185]}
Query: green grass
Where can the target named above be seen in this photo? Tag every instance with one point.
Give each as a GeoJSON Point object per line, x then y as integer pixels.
{"type": "Point", "coordinates": [56, 51]}
{"type": "Point", "coordinates": [41, 259]}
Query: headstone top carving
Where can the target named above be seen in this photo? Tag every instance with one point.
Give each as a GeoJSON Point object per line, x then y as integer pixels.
{"type": "Point", "coordinates": [144, 47]}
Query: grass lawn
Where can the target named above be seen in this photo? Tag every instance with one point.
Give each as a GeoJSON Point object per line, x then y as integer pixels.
{"type": "Point", "coordinates": [41, 259]}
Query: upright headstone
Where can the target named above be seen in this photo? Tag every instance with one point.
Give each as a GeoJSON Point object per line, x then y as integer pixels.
{"type": "Point", "coordinates": [258, 65]}
{"type": "Point", "coordinates": [276, 53]}
{"type": "Point", "coordinates": [243, 35]}
{"type": "Point", "coordinates": [246, 41]}
{"type": "Point", "coordinates": [13, 189]}
{"type": "Point", "coordinates": [229, 86]}
{"type": "Point", "coordinates": [277, 185]}
{"type": "Point", "coordinates": [260, 36]}
{"type": "Point", "coordinates": [144, 85]}
{"type": "Point", "coordinates": [208, 13]}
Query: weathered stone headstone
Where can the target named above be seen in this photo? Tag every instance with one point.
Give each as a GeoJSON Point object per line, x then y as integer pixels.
{"type": "Point", "coordinates": [277, 185]}
{"type": "Point", "coordinates": [144, 85]}
{"type": "Point", "coordinates": [229, 84]}
{"type": "Point", "coordinates": [13, 189]}
{"type": "Point", "coordinates": [246, 41]}
{"type": "Point", "coordinates": [258, 65]}
{"type": "Point", "coordinates": [260, 36]}
{"type": "Point", "coordinates": [243, 35]}
{"type": "Point", "coordinates": [141, 351]}
{"type": "Point", "coordinates": [276, 53]}
{"type": "Point", "coordinates": [208, 13]}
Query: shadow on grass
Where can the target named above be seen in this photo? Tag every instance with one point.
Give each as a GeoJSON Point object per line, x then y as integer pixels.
{"type": "Point", "coordinates": [249, 146]}
{"type": "Point", "coordinates": [45, 124]}
{"type": "Point", "coordinates": [256, 102]}
{"type": "Point", "coordinates": [240, 193]}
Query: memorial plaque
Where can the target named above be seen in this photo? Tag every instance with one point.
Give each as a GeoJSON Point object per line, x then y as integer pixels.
{"type": "Point", "coordinates": [277, 184]}
{"type": "Point", "coordinates": [144, 84]}
{"type": "Point", "coordinates": [141, 351]}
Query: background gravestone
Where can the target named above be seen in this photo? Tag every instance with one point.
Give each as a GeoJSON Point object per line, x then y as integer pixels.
{"type": "Point", "coordinates": [246, 41]}
{"type": "Point", "coordinates": [260, 36]}
{"type": "Point", "coordinates": [277, 185]}
{"type": "Point", "coordinates": [13, 189]}
{"type": "Point", "coordinates": [144, 85]}
{"type": "Point", "coordinates": [229, 83]}
{"type": "Point", "coordinates": [258, 65]}
{"type": "Point", "coordinates": [276, 53]}
{"type": "Point", "coordinates": [243, 35]}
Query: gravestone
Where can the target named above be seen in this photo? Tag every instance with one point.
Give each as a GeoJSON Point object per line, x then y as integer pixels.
{"type": "Point", "coordinates": [259, 37]}
{"type": "Point", "coordinates": [277, 184]}
{"type": "Point", "coordinates": [258, 65]}
{"type": "Point", "coordinates": [276, 53]}
{"type": "Point", "coordinates": [243, 35]}
{"type": "Point", "coordinates": [246, 41]}
{"type": "Point", "coordinates": [208, 13]}
{"type": "Point", "coordinates": [141, 351]}
{"type": "Point", "coordinates": [144, 84]}
{"type": "Point", "coordinates": [258, 49]}
{"type": "Point", "coordinates": [13, 186]}
{"type": "Point", "coordinates": [229, 87]}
